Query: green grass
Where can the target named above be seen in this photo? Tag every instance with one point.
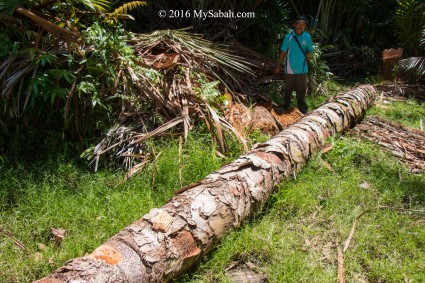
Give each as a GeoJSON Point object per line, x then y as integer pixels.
{"type": "Point", "coordinates": [91, 207]}
{"type": "Point", "coordinates": [294, 239]}
{"type": "Point", "coordinates": [408, 113]}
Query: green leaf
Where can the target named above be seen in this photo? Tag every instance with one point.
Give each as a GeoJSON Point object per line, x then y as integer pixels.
{"type": "Point", "coordinates": [8, 7]}
{"type": "Point", "coordinates": [102, 5]}
{"type": "Point", "coordinates": [55, 92]}
{"type": "Point", "coordinates": [46, 58]}
{"type": "Point", "coordinates": [31, 52]}
{"type": "Point", "coordinates": [62, 74]}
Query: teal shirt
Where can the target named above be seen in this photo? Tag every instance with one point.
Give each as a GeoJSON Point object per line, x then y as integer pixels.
{"type": "Point", "coordinates": [296, 63]}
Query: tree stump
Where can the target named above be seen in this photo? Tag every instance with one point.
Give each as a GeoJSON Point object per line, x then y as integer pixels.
{"type": "Point", "coordinates": [263, 121]}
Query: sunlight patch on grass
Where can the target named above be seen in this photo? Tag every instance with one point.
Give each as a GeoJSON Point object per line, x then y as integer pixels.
{"type": "Point", "coordinates": [409, 113]}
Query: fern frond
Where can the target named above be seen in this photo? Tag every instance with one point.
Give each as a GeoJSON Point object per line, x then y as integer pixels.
{"type": "Point", "coordinates": [123, 9]}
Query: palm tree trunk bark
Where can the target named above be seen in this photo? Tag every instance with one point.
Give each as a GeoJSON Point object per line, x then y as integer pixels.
{"type": "Point", "coordinates": [169, 240]}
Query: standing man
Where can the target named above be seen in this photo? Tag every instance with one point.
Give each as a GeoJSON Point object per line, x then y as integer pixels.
{"type": "Point", "coordinates": [297, 47]}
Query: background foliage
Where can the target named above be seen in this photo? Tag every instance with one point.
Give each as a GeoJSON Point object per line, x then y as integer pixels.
{"type": "Point", "coordinates": [67, 71]}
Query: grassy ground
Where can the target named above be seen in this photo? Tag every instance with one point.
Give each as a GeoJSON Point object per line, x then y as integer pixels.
{"type": "Point", "coordinates": [409, 113]}
{"type": "Point", "coordinates": [294, 238]}
{"type": "Point", "coordinates": [90, 207]}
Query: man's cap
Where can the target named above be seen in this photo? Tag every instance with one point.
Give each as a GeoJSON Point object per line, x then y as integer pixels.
{"type": "Point", "coordinates": [301, 19]}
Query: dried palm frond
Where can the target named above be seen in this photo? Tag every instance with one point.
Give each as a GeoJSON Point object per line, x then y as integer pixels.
{"type": "Point", "coordinates": [209, 56]}
{"type": "Point", "coordinates": [406, 144]}
{"type": "Point", "coordinates": [176, 93]}
{"type": "Point", "coordinates": [125, 140]}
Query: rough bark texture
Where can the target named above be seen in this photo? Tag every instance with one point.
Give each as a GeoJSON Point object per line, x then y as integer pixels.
{"type": "Point", "coordinates": [169, 240]}
{"type": "Point", "coordinates": [263, 121]}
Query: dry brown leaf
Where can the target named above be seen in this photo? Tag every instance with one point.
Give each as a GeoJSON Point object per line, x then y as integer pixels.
{"type": "Point", "coordinates": [327, 147]}
{"type": "Point", "coordinates": [41, 246]}
{"type": "Point", "coordinates": [364, 185]}
{"type": "Point", "coordinates": [38, 256]}
{"type": "Point", "coordinates": [57, 235]}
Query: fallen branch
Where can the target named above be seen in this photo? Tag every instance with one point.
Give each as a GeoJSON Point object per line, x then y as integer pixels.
{"type": "Point", "coordinates": [347, 242]}
{"type": "Point", "coordinates": [353, 227]}
{"type": "Point", "coordinates": [341, 278]}
{"type": "Point", "coordinates": [402, 209]}
{"type": "Point", "coordinates": [17, 242]}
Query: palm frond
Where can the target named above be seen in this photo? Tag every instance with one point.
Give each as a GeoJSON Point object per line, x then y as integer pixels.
{"type": "Point", "coordinates": [8, 7]}
{"type": "Point", "coordinates": [413, 63]}
{"type": "Point", "coordinates": [102, 5]}
{"type": "Point", "coordinates": [195, 44]}
{"type": "Point", "coordinates": [187, 74]}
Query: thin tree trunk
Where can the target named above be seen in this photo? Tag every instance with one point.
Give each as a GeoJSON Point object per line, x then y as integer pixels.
{"type": "Point", "coordinates": [49, 26]}
{"type": "Point", "coordinates": [169, 240]}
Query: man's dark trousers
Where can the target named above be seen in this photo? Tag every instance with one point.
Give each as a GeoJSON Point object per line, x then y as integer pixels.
{"type": "Point", "coordinates": [297, 82]}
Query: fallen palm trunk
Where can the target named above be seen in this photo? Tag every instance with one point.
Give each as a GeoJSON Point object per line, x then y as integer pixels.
{"type": "Point", "coordinates": [169, 240]}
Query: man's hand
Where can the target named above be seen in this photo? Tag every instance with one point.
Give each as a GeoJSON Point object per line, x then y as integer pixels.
{"type": "Point", "coordinates": [310, 56]}
{"type": "Point", "coordinates": [277, 70]}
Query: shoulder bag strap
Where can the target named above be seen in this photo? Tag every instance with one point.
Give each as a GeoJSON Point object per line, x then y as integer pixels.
{"type": "Point", "coordinates": [296, 39]}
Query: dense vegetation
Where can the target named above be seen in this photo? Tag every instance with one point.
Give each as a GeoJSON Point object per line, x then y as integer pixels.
{"type": "Point", "coordinates": [70, 69]}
